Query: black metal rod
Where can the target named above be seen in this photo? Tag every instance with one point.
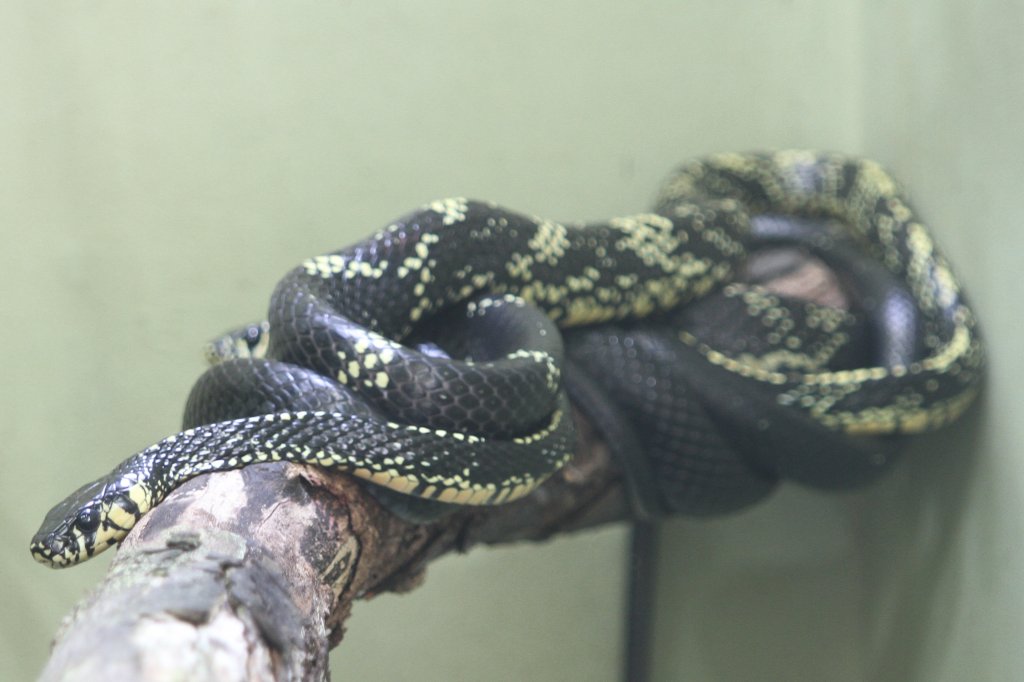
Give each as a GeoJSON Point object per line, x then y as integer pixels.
{"type": "Point", "coordinates": [641, 584]}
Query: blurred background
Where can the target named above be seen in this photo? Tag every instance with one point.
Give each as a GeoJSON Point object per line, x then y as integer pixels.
{"type": "Point", "coordinates": [163, 164]}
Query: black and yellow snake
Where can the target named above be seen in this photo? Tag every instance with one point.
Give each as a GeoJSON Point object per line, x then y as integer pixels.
{"type": "Point", "coordinates": [729, 387]}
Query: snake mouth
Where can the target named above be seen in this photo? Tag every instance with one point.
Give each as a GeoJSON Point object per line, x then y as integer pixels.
{"type": "Point", "coordinates": [57, 549]}
{"type": "Point", "coordinates": [50, 554]}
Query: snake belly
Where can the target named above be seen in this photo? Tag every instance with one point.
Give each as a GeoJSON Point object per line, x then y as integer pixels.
{"type": "Point", "coordinates": [489, 427]}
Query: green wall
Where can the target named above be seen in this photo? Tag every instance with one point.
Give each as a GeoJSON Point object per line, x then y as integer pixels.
{"type": "Point", "coordinates": [161, 164]}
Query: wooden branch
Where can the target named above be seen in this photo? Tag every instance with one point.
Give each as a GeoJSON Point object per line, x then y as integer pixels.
{"type": "Point", "coordinates": [250, 574]}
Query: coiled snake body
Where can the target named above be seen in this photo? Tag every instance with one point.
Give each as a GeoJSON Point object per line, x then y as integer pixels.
{"type": "Point", "coordinates": [358, 372]}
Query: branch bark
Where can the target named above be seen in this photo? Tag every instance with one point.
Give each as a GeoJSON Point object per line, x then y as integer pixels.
{"type": "Point", "coordinates": [251, 574]}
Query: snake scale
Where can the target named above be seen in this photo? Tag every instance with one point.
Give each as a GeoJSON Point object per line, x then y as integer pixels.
{"type": "Point", "coordinates": [431, 359]}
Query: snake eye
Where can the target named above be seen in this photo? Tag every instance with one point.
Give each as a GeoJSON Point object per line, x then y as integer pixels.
{"type": "Point", "coordinates": [88, 520]}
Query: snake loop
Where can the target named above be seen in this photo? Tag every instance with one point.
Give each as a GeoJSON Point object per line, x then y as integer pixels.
{"type": "Point", "coordinates": [428, 359]}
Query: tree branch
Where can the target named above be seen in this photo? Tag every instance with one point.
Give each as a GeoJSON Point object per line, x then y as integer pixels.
{"type": "Point", "coordinates": [251, 574]}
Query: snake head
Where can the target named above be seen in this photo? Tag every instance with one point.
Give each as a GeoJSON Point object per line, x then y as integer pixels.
{"type": "Point", "coordinates": [88, 521]}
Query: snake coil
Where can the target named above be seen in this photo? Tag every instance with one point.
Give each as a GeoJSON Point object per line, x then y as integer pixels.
{"type": "Point", "coordinates": [429, 358]}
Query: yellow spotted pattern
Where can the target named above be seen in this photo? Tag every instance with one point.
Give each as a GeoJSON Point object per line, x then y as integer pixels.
{"type": "Point", "coordinates": [863, 196]}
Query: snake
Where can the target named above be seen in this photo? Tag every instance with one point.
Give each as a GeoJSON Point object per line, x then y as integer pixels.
{"type": "Point", "coordinates": [434, 359]}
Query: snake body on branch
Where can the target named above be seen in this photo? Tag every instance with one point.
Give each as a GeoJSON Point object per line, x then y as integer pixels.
{"type": "Point", "coordinates": [429, 358]}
